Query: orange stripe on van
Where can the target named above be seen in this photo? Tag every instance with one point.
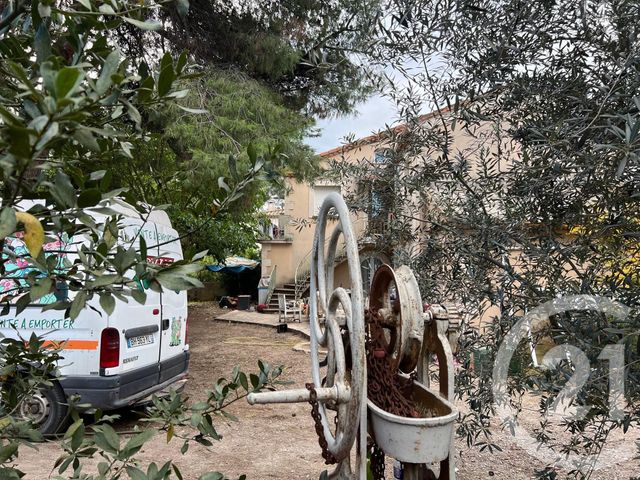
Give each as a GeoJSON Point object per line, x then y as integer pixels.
{"type": "Point", "coordinates": [73, 344]}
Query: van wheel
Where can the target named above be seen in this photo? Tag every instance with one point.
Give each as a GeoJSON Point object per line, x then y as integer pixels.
{"type": "Point", "coordinates": [46, 408]}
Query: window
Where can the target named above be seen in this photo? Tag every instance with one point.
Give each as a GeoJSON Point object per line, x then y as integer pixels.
{"type": "Point", "coordinates": [320, 192]}
{"type": "Point", "coordinates": [368, 267]}
{"type": "Point", "coordinates": [376, 204]}
{"type": "Point", "coordinates": [381, 156]}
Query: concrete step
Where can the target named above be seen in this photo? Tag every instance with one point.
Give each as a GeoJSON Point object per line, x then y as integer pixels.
{"type": "Point", "coordinates": [288, 289]}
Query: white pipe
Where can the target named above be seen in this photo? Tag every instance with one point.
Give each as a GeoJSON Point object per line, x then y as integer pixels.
{"type": "Point", "coordinates": [301, 395]}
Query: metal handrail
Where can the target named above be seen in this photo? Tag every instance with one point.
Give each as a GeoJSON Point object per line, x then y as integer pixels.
{"type": "Point", "coordinates": [272, 284]}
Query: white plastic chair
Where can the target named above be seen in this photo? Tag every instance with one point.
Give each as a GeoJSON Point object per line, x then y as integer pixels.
{"type": "Point", "coordinates": [286, 309]}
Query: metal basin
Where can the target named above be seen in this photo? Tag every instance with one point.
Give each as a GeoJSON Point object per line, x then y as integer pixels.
{"type": "Point", "coordinates": [416, 440]}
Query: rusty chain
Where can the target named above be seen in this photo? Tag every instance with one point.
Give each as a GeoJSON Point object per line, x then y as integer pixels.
{"type": "Point", "coordinates": [385, 388]}
{"type": "Point", "coordinates": [329, 458]}
{"type": "Point", "coordinates": [388, 390]}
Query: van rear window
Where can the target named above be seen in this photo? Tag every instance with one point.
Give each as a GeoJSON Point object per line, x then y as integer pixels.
{"type": "Point", "coordinates": [17, 268]}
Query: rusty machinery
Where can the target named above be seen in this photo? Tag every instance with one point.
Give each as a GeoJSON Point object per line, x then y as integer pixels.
{"type": "Point", "coordinates": [406, 341]}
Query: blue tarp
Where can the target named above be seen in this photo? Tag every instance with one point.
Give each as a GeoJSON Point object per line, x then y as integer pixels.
{"type": "Point", "coordinates": [234, 265]}
{"type": "Point", "coordinates": [226, 268]}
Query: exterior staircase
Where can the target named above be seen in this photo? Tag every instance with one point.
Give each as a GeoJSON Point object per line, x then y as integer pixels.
{"type": "Point", "coordinates": [289, 289]}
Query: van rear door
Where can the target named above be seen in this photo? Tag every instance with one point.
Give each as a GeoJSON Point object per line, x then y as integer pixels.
{"type": "Point", "coordinates": [139, 325]}
{"type": "Point", "coordinates": [173, 346]}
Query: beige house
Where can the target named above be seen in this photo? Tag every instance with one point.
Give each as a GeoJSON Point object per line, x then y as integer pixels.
{"type": "Point", "coordinates": [286, 256]}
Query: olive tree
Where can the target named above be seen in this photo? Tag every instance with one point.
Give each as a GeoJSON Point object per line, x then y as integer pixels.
{"type": "Point", "coordinates": [69, 101]}
{"type": "Point", "coordinates": [521, 186]}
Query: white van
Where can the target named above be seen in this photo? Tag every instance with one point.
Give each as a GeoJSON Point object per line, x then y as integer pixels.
{"type": "Point", "coordinates": [110, 361]}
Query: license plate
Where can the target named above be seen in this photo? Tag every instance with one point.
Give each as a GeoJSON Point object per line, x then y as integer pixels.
{"type": "Point", "coordinates": [140, 340]}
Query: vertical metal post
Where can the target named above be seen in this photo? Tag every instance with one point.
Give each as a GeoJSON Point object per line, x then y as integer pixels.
{"type": "Point", "coordinates": [411, 471]}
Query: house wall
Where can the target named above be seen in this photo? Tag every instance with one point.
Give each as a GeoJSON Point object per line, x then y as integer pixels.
{"type": "Point", "coordinates": [299, 224]}
{"type": "Point", "coordinates": [276, 253]}
{"type": "Point", "coordinates": [299, 219]}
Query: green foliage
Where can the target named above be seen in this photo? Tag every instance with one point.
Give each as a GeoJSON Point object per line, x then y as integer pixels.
{"type": "Point", "coordinates": [74, 110]}
{"type": "Point", "coordinates": [182, 166]}
{"type": "Point", "coordinates": [76, 103]}
{"type": "Point", "coordinates": [26, 365]}
{"type": "Point", "coordinates": [308, 51]}
{"type": "Point", "coordinates": [117, 452]}
{"type": "Point", "coordinates": [174, 415]}
{"type": "Point", "coordinates": [239, 111]}
{"type": "Point", "coordinates": [206, 275]}
{"type": "Point", "coordinates": [30, 365]}
{"type": "Point", "coordinates": [175, 412]}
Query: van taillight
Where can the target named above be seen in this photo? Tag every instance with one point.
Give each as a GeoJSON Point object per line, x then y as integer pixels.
{"type": "Point", "coordinates": [109, 348]}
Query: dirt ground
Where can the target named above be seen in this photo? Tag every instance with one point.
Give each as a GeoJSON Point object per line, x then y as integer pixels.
{"type": "Point", "coordinates": [278, 441]}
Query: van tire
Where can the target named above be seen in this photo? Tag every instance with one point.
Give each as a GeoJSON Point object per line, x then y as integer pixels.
{"type": "Point", "coordinates": [49, 406]}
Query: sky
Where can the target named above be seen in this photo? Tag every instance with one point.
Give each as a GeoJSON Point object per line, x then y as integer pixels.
{"type": "Point", "coordinates": [371, 116]}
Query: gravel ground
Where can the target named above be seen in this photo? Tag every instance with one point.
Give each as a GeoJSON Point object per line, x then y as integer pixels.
{"type": "Point", "coordinates": [278, 441]}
